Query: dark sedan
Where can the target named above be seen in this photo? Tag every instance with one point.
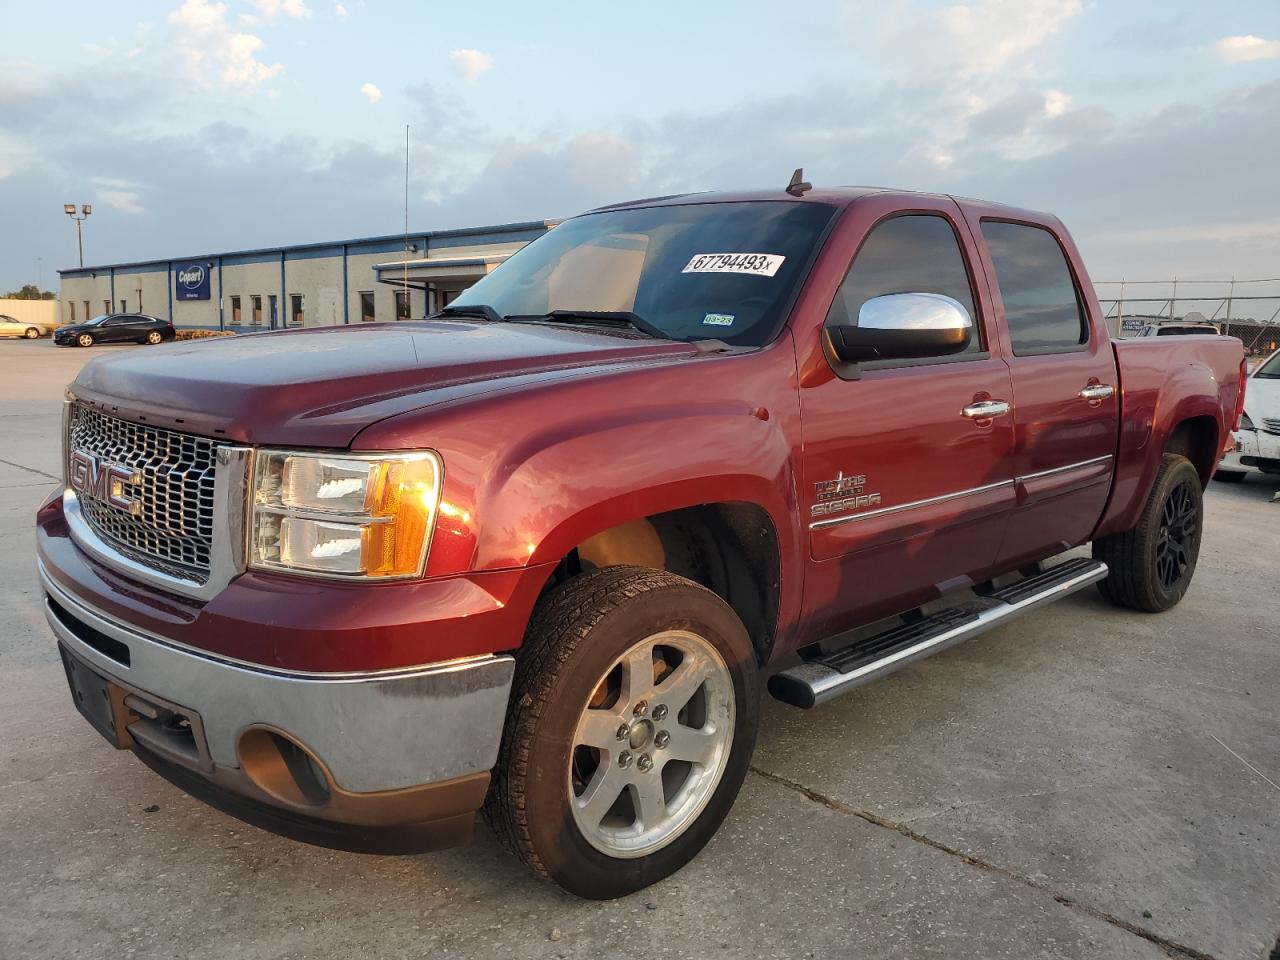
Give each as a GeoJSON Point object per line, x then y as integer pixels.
{"type": "Point", "coordinates": [115, 328]}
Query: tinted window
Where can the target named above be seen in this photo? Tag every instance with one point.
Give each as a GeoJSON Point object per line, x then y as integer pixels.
{"type": "Point", "coordinates": [1040, 302]}
{"type": "Point", "coordinates": [697, 271]}
{"type": "Point", "coordinates": [911, 254]}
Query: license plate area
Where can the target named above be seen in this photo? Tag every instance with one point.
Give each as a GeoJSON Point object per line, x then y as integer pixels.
{"type": "Point", "coordinates": [99, 700]}
{"type": "Point", "coordinates": [131, 718]}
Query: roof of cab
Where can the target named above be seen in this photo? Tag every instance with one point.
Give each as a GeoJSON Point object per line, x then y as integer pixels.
{"type": "Point", "coordinates": [833, 196]}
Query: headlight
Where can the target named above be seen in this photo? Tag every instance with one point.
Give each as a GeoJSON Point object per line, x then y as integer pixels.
{"type": "Point", "coordinates": [344, 515]}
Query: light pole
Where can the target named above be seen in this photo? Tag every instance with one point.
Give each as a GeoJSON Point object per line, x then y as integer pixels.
{"type": "Point", "coordinates": [85, 210]}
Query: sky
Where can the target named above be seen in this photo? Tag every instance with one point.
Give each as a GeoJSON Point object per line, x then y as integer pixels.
{"type": "Point", "coordinates": [1151, 128]}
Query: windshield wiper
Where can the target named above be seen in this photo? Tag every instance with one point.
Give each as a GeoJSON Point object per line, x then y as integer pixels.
{"type": "Point", "coordinates": [469, 310]}
{"type": "Point", "coordinates": [599, 318]}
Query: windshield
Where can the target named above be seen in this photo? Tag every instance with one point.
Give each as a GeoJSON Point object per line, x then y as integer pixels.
{"type": "Point", "coordinates": [1271, 369]}
{"type": "Point", "coordinates": [701, 271]}
{"type": "Point", "coordinates": [96, 320]}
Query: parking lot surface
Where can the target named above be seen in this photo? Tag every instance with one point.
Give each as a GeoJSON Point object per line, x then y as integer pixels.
{"type": "Point", "coordinates": [1084, 782]}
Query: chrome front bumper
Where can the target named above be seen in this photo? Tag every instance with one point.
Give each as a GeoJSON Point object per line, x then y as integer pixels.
{"type": "Point", "coordinates": [371, 732]}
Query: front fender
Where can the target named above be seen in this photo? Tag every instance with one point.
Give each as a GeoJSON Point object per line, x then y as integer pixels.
{"type": "Point", "coordinates": [558, 489]}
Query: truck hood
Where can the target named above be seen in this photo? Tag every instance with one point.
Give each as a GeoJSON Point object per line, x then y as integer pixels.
{"type": "Point", "coordinates": [321, 387]}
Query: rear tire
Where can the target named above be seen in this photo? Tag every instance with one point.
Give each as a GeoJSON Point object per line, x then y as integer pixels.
{"type": "Point", "coordinates": [1230, 476]}
{"type": "Point", "coordinates": [154, 337]}
{"type": "Point", "coordinates": [85, 340]}
{"type": "Point", "coordinates": [32, 333]}
{"type": "Point", "coordinates": [1151, 566]}
{"type": "Point", "coordinates": [649, 666]}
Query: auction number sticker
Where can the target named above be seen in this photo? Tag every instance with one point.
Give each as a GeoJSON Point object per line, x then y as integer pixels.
{"type": "Point", "coordinates": [760, 264]}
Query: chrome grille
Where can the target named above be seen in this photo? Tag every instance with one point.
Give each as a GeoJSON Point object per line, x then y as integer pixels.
{"type": "Point", "coordinates": [172, 528]}
{"type": "Point", "coordinates": [1271, 425]}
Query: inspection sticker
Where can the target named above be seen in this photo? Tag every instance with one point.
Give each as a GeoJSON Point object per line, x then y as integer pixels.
{"type": "Point", "coordinates": [718, 320]}
{"type": "Point", "coordinates": [760, 264]}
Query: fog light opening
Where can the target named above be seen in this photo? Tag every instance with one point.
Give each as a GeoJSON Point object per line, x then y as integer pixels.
{"type": "Point", "coordinates": [283, 768]}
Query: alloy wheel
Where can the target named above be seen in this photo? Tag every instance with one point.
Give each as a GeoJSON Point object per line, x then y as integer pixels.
{"type": "Point", "coordinates": [1179, 525]}
{"type": "Point", "coordinates": [652, 744]}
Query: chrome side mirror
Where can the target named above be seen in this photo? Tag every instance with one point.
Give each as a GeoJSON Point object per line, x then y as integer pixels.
{"type": "Point", "coordinates": [903, 326]}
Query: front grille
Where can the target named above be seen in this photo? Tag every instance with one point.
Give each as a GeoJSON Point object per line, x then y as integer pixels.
{"type": "Point", "coordinates": [171, 529]}
{"type": "Point", "coordinates": [1270, 425]}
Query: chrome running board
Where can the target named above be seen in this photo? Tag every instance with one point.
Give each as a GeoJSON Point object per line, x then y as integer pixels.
{"type": "Point", "coordinates": [831, 674]}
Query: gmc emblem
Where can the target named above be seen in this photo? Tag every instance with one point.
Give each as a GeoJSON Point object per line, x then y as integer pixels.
{"type": "Point", "coordinates": [105, 481]}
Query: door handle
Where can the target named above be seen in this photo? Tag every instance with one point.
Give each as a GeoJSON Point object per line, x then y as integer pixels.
{"type": "Point", "coordinates": [986, 409]}
{"type": "Point", "coordinates": [1096, 391]}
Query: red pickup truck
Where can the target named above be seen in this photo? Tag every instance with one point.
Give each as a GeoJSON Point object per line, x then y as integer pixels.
{"type": "Point", "coordinates": [538, 553]}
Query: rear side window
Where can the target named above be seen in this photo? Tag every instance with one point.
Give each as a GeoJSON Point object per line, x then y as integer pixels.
{"type": "Point", "coordinates": [915, 253]}
{"type": "Point", "coordinates": [1041, 305]}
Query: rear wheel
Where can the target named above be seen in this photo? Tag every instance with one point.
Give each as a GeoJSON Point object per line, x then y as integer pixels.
{"type": "Point", "coordinates": [1151, 566]}
{"type": "Point", "coordinates": [154, 337]}
{"type": "Point", "coordinates": [32, 333]}
{"type": "Point", "coordinates": [632, 721]}
{"type": "Point", "coordinates": [85, 339]}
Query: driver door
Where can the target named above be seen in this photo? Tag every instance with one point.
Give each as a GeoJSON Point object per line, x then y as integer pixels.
{"type": "Point", "coordinates": [905, 491]}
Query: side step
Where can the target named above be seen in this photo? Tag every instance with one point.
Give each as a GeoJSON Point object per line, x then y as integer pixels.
{"type": "Point", "coordinates": [831, 674]}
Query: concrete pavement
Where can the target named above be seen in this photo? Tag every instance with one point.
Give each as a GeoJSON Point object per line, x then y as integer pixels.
{"type": "Point", "coordinates": [1082, 783]}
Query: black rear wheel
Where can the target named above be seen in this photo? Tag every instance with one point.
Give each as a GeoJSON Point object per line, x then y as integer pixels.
{"type": "Point", "coordinates": [1151, 566]}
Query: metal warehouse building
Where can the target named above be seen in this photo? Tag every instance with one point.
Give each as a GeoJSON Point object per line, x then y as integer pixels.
{"type": "Point", "coordinates": [306, 285]}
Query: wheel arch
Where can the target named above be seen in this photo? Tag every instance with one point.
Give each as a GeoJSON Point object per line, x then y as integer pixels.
{"type": "Point", "coordinates": [730, 547]}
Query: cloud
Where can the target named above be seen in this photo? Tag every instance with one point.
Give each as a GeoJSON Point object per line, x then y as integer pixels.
{"type": "Point", "coordinates": [341, 11]}
{"type": "Point", "coordinates": [207, 44]}
{"type": "Point", "coordinates": [984, 38]}
{"type": "Point", "coordinates": [469, 64]}
{"type": "Point", "coordinates": [1243, 49]}
{"type": "Point", "coordinates": [1056, 103]}
{"type": "Point", "coordinates": [119, 194]}
{"type": "Point", "coordinates": [371, 92]}
{"type": "Point", "coordinates": [297, 9]}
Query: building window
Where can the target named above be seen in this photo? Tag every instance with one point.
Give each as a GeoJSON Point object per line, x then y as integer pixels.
{"type": "Point", "coordinates": [272, 316]}
{"type": "Point", "coordinates": [367, 314]}
{"type": "Point", "coordinates": [256, 319]}
{"type": "Point", "coordinates": [72, 305]}
{"type": "Point", "coordinates": [106, 306]}
{"type": "Point", "coordinates": [297, 310]}
{"type": "Point", "coordinates": [235, 311]}
{"type": "Point", "coordinates": [124, 306]}
{"type": "Point", "coordinates": [86, 310]}
{"type": "Point", "coordinates": [402, 304]}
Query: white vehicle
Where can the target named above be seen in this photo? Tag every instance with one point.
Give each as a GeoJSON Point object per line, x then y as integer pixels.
{"type": "Point", "coordinates": [1257, 446]}
{"type": "Point", "coordinates": [30, 329]}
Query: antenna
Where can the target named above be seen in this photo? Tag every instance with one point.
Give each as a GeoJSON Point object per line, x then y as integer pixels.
{"type": "Point", "coordinates": [405, 281]}
{"type": "Point", "coordinates": [798, 186]}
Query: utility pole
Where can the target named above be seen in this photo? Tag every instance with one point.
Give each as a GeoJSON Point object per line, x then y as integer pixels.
{"type": "Point", "coordinates": [85, 210]}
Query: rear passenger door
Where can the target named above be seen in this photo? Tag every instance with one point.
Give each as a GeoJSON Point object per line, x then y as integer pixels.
{"type": "Point", "coordinates": [904, 491]}
{"type": "Point", "coordinates": [1065, 402]}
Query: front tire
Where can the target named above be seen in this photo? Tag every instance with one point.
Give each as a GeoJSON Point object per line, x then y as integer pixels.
{"type": "Point", "coordinates": [630, 729]}
{"type": "Point", "coordinates": [85, 339]}
{"type": "Point", "coordinates": [1151, 566]}
{"type": "Point", "coordinates": [154, 337]}
{"type": "Point", "coordinates": [32, 333]}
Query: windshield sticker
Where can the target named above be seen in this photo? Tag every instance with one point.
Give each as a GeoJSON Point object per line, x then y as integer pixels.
{"type": "Point", "coordinates": [718, 320]}
{"type": "Point", "coordinates": [760, 264]}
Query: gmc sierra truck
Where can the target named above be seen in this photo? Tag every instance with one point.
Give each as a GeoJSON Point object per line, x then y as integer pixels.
{"type": "Point", "coordinates": [541, 553]}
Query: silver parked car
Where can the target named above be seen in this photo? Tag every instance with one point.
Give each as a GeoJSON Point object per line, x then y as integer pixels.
{"type": "Point", "coordinates": [30, 329]}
